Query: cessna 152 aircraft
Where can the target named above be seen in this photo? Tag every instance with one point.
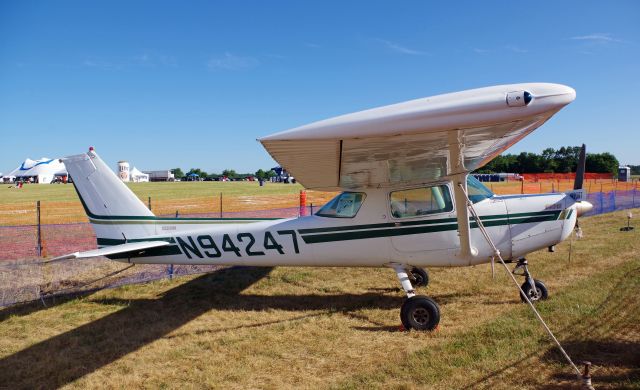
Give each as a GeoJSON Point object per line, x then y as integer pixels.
{"type": "Point", "coordinates": [408, 201]}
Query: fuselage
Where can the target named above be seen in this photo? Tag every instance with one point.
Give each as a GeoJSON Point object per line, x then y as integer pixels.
{"type": "Point", "coordinates": [373, 227]}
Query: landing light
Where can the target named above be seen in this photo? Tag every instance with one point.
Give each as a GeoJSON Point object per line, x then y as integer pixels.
{"type": "Point", "coordinates": [519, 98]}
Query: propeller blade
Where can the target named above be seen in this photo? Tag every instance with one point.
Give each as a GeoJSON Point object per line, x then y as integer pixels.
{"type": "Point", "coordinates": [577, 184]}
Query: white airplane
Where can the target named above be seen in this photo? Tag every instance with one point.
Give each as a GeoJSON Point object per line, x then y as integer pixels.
{"type": "Point", "coordinates": [408, 201]}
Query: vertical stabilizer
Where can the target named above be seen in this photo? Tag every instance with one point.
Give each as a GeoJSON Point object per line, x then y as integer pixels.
{"type": "Point", "coordinates": [115, 212]}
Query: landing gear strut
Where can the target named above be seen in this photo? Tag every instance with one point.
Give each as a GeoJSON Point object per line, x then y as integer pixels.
{"type": "Point", "coordinates": [535, 289]}
{"type": "Point", "coordinates": [418, 312]}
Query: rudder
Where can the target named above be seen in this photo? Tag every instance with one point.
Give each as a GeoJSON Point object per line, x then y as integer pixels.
{"type": "Point", "coordinates": [114, 211]}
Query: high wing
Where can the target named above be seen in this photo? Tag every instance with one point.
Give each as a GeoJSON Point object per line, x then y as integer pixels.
{"type": "Point", "coordinates": [417, 141]}
{"type": "Point", "coordinates": [131, 249]}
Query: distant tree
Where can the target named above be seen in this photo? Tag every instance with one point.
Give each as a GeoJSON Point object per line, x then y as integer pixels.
{"type": "Point", "coordinates": [602, 163]}
{"type": "Point", "coordinates": [198, 172]}
{"type": "Point", "coordinates": [177, 172]}
{"type": "Point", "coordinates": [563, 160]}
{"type": "Point", "coordinates": [261, 175]}
{"type": "Point", "coordinates": [270, 174]}
{"type": "Point", "coordinates": [230, 173]}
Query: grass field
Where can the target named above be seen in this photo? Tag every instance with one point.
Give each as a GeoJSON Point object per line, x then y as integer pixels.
{"type": "Point", "coordinates": [60, 204]}
{"type": "Point", "coordinates": [338, 328]}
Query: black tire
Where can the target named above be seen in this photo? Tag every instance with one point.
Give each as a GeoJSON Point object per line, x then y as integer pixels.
{"type": "Point", "coordinates": [542, 292]}
{"type": "Point", "coordinates": [420, 277]}
{"type": "Point", "coordinates": [420, 313]}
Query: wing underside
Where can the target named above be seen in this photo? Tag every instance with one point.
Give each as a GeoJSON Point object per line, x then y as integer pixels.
{"type": "Point", "coordinates": [418, 141]}
{"type": "Point", "coordinates": [397, 159]}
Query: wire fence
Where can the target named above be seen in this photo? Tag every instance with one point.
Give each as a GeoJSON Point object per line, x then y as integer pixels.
{"type": "Point", "coordinates": [25, 276]}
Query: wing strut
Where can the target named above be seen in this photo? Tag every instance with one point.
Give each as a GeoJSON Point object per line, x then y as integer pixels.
{"type": "Point", "coordinates": [459, 177]}
{"type": "Point", "coordinates": [499, 257]}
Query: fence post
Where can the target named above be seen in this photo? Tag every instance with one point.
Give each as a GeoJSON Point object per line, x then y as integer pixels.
{"type": "Point", "coordinates": [39, 231]}
{"type": "Point", "coordinates": [311, 205]}
{"type": "Point", "coordinates": [170, 271]}
{"type": "Point", "coordinates": [522, 186]}
{"type": "Point", "coordinates": [149, 203]}
{"type": "Point", "coordinates": [220, 204]}
{"type": "Point", "coordinates": [601, 201]}
{"type": "Point", "coordinates": [303, 203]}
{"type": "Point", "coordinates": [177, 214]}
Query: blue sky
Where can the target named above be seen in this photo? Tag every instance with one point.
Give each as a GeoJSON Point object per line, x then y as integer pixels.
{"type": "Point", "coordinates": [192, 84]}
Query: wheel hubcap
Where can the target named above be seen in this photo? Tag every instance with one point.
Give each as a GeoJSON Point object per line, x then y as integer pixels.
{"type": "Point", "coordinates": [534, 295]}
{"type": "Point", "coordinates": [421, 316]}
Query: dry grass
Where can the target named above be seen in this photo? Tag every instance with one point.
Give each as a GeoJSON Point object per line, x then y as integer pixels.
{"type": "Point", "coordinates": [338, 328]}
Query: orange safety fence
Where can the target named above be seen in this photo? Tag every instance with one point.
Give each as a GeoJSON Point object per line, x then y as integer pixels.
{"type": "Point", "coordinates": [565, 176]}
{"type": "Point", "coordinates": [541, 187]}
{"type": "Point", "coordinates": [67, 212]}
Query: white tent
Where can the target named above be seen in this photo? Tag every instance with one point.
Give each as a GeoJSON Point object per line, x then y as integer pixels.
{"type": "Point", "coordinates": [137, 176]}
{"type": "Point", "coordinates": [41, 171]}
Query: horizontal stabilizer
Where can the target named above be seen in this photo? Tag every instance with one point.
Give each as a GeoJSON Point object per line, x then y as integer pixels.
{"type": "Point", "coordinates": [132, 248]}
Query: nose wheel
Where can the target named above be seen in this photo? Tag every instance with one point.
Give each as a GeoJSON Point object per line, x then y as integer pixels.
{"type": "Point", "coordinates": [417, 312]}
{"type": "Point", "coordinates": [534, 289]}
{"type": "Point", "coordinates": [419, 277]}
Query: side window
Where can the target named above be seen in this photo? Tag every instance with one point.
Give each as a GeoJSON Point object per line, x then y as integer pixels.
{"type": "Point", "coordinates": [420, 201]}
{"type": "Point", "coordinates": [345, 205]}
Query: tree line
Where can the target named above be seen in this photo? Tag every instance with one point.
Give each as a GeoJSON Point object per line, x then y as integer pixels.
{"type": "Point", "coordinates": [230, 173]}
{"type": "Point", "coordinates": [563, 160]}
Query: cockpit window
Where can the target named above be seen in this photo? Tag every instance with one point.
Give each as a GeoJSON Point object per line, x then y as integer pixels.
{"type": "Point", "coordinates": [420, 201]}
{"type": "Point", "coordinates": [345, 205]}
{"type": "Point", "coordinates": [477, 191]}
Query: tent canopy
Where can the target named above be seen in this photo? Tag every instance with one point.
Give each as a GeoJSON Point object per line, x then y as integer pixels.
{"type": "Point", "coordinates": [44, 167]}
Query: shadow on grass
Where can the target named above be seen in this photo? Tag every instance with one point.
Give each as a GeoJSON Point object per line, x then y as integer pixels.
{"type": "Point", "coordinates": [617, 362]}
{"type": "Point", "coordinates": [69, 356]}
{"type": "Point", "coordinates": [27, 308]}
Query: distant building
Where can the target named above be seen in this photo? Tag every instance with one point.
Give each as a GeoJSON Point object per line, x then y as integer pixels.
{"type": "Point", "coordinates": [624, 174]}
{"type": "Point", "coordinates": [123, 171]}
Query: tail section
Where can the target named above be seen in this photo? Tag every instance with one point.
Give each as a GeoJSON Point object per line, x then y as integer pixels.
{"type": "Point", "coordinates": [116, 213]}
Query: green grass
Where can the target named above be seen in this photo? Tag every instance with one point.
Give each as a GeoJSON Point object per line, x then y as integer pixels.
{"type": "Point", "coordinates": [338, 328]}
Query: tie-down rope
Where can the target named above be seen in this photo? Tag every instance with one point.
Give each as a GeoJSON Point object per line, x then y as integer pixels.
{"type": "Point", "coordinates": [497, 254]}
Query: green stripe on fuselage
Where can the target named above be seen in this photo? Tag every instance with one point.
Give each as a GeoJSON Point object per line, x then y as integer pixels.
{"type": "Point", "coordinates": [344, 233]}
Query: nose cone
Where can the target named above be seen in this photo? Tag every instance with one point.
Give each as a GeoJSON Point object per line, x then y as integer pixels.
{"type": "Point", "coordinates": [583, 207]}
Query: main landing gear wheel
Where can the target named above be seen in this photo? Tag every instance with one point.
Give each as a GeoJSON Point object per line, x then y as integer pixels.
{"type": "Point", "coordinates": [540, 293]}
{"type": "Point", "coordinates": [420, 276]}
{"type": "Point", "coordinates": [417, 312]}
{"type": "Point", "coordinates": [420, 313]}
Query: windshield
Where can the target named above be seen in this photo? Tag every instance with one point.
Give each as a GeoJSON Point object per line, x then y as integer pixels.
{"type": "Point", "coordinates": [477, 191]}
{"type": "Point", "coordinates": [345, 205]}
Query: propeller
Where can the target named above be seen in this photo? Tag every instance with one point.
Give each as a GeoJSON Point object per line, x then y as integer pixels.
{"type": "Point", "coordinates": [582, 162]}
{"type": "Point", "coordinates": [582, 206]}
